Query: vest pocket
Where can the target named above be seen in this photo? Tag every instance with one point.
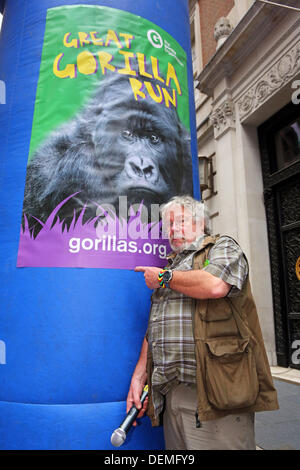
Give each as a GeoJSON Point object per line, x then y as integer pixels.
{"type": "Point", "coordinates": [211, 311]}
{"type": "Point", "coordinates": [231, 377]}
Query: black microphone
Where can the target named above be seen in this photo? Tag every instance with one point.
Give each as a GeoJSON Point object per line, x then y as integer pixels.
{"type": "Point", "coordinates": [119, 435]}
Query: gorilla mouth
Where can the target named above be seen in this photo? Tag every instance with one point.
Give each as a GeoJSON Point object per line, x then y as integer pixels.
{"type": "Point", "coordinates": [142, 190]}
{"type": "Point", "coordinates": [138, 194]}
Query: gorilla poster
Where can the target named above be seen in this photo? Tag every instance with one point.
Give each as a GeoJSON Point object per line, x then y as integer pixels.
{"type": "Point", "coordinates": [110, 141]}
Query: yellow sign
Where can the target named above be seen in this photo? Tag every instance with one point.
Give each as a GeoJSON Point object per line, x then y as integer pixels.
{"type": "Point", "coordinates": [297, 268]}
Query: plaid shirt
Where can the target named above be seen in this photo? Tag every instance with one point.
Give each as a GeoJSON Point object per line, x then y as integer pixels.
{"type": "Point", "coordinates": [170, 332]}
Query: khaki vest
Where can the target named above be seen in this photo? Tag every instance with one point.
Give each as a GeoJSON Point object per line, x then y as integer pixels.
{"type": "Point", "coordinates": [233, 373]}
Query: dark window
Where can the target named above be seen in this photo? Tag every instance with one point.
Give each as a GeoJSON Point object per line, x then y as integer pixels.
{"type": "Point", "coordinates": [287, 144]}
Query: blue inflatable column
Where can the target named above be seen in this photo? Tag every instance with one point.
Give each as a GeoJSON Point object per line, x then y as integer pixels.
{"type": "Point", "coordinates": [69, 336]}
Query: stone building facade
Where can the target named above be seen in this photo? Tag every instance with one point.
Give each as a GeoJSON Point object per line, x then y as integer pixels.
{"type": "Point", "coordinates": [247, 95]}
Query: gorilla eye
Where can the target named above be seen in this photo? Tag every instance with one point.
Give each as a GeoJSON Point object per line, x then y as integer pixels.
{"type": "Point", "coordinates": [154, 139]}
{"type": "Point", "coordinates": [127, 134]}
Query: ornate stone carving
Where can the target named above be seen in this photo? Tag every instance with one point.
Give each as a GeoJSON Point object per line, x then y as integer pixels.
{"type": "Point", "coordinates": [222, 118]}
{"type": "Point", "coordinates": [222, 30]}
{"type": "Point", "coordinates": [280, 73]}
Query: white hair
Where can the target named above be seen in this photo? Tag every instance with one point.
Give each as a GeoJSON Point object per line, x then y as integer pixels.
{"type": "Point", "coordinates": [196, 208]}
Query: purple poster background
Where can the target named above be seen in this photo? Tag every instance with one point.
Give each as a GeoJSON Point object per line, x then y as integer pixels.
{"type": "Point", "coordinates": [114, 243]}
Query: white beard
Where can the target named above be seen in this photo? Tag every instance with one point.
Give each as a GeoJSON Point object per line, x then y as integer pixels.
{"type": "Point", "coordinates": [186, 245]}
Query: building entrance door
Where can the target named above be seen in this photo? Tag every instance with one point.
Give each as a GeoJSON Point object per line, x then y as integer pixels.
{"type": "Point", "coordinates": [279, 139]}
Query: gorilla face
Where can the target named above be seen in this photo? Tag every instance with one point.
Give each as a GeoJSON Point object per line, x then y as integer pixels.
{"type": "Point", "coordinates": [116, 146]}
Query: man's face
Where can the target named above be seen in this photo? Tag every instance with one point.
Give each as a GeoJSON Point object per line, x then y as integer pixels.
{"type": "Point", "coordinates": [181, 228]}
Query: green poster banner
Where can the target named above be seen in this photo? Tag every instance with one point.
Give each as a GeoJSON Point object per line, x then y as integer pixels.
{"type": "Point", "coordinates": [111, 121]}
{"type": "Point", "coordinates": [84, 43]}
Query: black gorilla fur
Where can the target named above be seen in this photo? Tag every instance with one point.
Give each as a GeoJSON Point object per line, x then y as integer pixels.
{"type": "Point", "coordinates": [115, 146]}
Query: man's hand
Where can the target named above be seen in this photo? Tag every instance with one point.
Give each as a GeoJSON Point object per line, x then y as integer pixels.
{"type": "Point", "coordinates": [138, 382]}
{"type": "Point", "coordinates": [150, 275]}
{"type": "Point", "coordinates": [134, 395]}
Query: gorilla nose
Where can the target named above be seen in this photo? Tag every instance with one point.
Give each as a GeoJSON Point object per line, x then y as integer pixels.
{"type": "Point", "coordinates": [141, 168]}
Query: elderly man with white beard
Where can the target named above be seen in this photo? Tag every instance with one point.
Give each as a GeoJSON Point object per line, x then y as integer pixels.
{"type": "Point", "coordinates": [203, 355]}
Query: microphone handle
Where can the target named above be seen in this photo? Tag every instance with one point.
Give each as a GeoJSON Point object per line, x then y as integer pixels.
{"type": "Point", "coordinates": [133, 412]}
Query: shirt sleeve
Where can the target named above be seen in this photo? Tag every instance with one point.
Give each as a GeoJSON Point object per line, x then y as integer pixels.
{"type": "Point", "coordinates": [226, 260]}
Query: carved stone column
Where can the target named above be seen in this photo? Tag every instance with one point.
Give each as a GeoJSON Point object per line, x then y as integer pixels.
{"type": "Point", "coordinates": [222, 118]}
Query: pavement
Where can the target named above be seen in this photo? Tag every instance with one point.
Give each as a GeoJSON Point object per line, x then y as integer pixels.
{"type": "Point", "coordinates": [280, 429]}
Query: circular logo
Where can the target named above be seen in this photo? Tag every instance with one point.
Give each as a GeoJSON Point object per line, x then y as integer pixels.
{"type": "Point", "coordinates": [297, 268]}
{"type": "Point", "coordinates": [155, 38]}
